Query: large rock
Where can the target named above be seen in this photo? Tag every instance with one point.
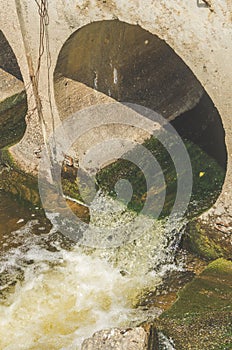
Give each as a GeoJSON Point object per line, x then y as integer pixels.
{"type": "Point", "coordinates": [117, 339]}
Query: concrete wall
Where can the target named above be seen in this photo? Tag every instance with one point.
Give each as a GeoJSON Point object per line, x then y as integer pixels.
{"type": "Point", "coordinates": [201, 36]}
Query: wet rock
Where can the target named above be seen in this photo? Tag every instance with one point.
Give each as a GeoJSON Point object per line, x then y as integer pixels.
{"type": "Point", "coordinates": [209, 241]}
{"type": "Point", "coordinates": [117, 339]}
{"type": "Point", "coordinates": [201, 318]}
{"type": "Point", "coordinates": [17, 182]}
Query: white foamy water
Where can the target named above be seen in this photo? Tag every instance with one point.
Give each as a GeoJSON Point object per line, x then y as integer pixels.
{"type": "Point", "coordinates": [56, 308]}
{"type": "Point", "coordinates": [63, 297]}
{"type": "Point", "coordinates": [165, 343]}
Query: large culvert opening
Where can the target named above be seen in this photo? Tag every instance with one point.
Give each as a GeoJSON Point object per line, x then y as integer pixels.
{"type": "Point", "coordinates": [13, 101]}
{"type": "Point", "coordinates": [114, 60]}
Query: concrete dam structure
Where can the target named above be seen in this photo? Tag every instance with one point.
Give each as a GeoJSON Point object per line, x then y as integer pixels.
{"type": "Point", "coordinates": [171, 56]}
{"type": "Point", "coordinates": [115, 174]}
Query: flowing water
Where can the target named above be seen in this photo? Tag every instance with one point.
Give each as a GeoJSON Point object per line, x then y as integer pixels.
{"type": "Point", "coordinates": [55, 294]}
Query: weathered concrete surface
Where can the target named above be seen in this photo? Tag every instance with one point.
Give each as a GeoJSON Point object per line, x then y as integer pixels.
{"type": "Point", "coordinates": [202, 37]}
{"type": "Point", "coordinates": [9, 85]}
{"type": "Point", "coordinates": [129, 64]}
{"type": "Point", "coordinates": [13, 108]}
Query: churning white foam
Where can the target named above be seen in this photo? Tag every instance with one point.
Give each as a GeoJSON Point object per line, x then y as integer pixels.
{"type": "Point", "coordinates": [63, 296]}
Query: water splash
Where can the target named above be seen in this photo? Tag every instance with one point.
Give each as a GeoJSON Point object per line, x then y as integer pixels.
{"type": "Point", "coordinates": [62, 296]}
{"type": "Point", "coordinates": [165, 343]}
{"type": "Point", "coordinates": [95, 81]}
{"type": "Point", "coordinates": [115, 74]}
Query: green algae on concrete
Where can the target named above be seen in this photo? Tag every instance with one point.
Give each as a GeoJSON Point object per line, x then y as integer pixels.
{"type": "Point", "coordinates": [201, 318]}
{"type": "Point", "coordinates": [25, 186]}
{"type": "Point", "coordinates": [12, 119]}
{"type": "Point", "coordinates": [69, 183]}
{"type": "Point", "coordinates": [16, 181]}
{"type": "Point", "coordinates": [206, 241]}
{"type": "Point", "coordinates": [208, 178]}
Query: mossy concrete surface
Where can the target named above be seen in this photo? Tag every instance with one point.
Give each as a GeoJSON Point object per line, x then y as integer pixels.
{"type": "Point", "coordinates": [25, 186]}
{"type": "Point", "coordinates": [201, 318]}
{"type": "Point", "coordinates": [206, 241]}
{"type": "Point", "coordinates": [17, 182]}
{"type": "Point", "coordinates": [208, 178]}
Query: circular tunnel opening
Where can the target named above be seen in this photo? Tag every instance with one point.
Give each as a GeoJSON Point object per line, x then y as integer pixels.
{"type": "Point", "coordinates": [115, 60]}
{"type": "Point", "coordinates": [13, 100]}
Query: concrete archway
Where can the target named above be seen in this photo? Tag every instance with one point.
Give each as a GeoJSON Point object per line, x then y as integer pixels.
{"type": "Point", "coordinates": [127, 63]}
{"type": "Point", "coordinates": [107, 60]}
{"type": "Point", "coordinates": [113, 59]}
